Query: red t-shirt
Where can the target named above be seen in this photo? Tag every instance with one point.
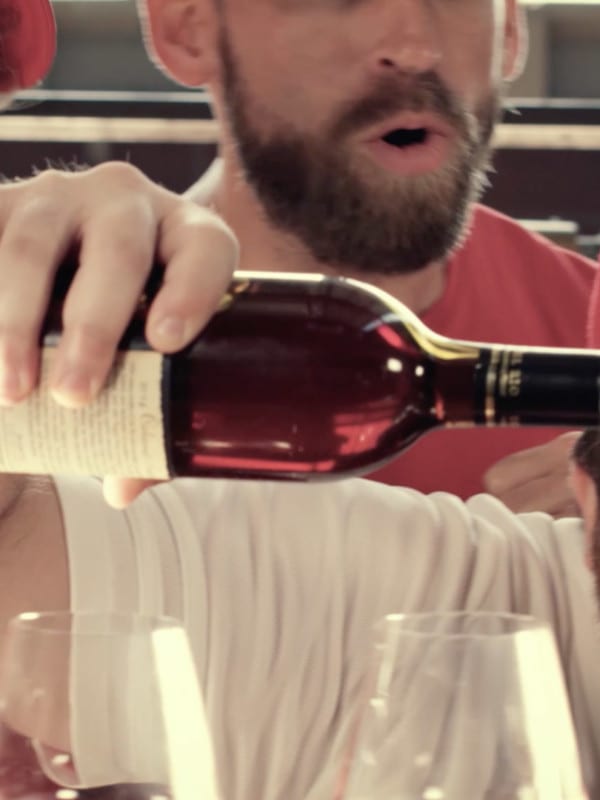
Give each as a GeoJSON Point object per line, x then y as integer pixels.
{"type": "Point", "coordinates": [505, 285]}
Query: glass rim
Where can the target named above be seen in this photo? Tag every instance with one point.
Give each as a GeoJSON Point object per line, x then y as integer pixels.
{"type": "Point", "coordinates": [521, 622]}
{"type": "Point", "coordinates": [46, 622]}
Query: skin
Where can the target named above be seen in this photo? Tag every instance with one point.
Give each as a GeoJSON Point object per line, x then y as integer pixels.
{"type": "Point", "coordinates": [474, 47]}
{"type": "Point", "coordinates": [119, 221]}
{"type": "Point", "coordinates": [536, 479]}
{"type": "Point", "coordinates": [109, 224]}
{"type": "Point", "coordinates": [103, 211]}
{"type": "Point", "coordinates": [118, 218]}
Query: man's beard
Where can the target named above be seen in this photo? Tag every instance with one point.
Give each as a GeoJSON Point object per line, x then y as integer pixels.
{"type": "Point", "coordinates": [309, 189]}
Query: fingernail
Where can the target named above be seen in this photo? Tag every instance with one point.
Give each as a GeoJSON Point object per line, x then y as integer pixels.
{"type": "Point", "coordinates": [170, 330]}
{"type": "Point", "coordinates": [74, 387]}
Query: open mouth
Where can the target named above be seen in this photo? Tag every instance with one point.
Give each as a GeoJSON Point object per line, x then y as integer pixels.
{"type": "Point", "coordinates": [413, 150]}
{"type": "Point", "coordinates": [406, 137]}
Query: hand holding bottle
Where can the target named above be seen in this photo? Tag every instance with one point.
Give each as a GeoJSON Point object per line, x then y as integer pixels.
{"type": "Point", "coordinates": [119, 220]}
{"type": "Point", "coordinates": [300, 377]}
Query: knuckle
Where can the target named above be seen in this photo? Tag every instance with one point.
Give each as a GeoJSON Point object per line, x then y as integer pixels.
{"type": "Point", "coordinates": [494, 483]}
{"type": "Point", "coordinates": [46, 188]}
{"type": "Point", "coordinates": [38, 210]}
{"type": "Point", "coordinates": [49, 179]}
{"type": "Point", "coordinates": [228, 245]}
{"type": "Point", "coordinates": [204, 222]}
{"type": "Point", "coordinates": [499, 479]}
{"type": "Point", "coordinates": [24, 247]}
{"type": "Point", "coordinates": [118, 175]}
{"type": "Point", "coordinates": [46, 183]}
{"type": "Point", "coordinates": [38, 202]}
{"type": "Point", "coordinates": [87, 340]}
{"type": "Point", "coordinates": [210, 263]}
{"type": "Point", "coordinates": [126, 244]}
{"type": "Point", "coordinates": [127, 219]}
{"type": "Point", "coordinates": [132, 252]}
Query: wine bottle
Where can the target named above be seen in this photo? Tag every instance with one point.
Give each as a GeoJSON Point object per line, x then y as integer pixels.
{"type": "Point", "coordinates": [296, 377]}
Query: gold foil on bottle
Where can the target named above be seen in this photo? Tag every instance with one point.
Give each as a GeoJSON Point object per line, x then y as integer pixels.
{"type": "Point", "coordinates": [491, 382]}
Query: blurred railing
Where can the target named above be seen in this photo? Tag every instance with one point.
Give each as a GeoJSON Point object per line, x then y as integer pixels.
{"type": "Point", "coordinates": [547, 159]}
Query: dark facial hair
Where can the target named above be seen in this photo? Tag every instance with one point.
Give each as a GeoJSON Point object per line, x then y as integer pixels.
{"type": "Point", "coordinates": [308, 188]}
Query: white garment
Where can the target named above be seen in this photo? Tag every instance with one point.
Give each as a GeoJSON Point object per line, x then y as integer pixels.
{"type": "Point", "coordinates": [279, 586]}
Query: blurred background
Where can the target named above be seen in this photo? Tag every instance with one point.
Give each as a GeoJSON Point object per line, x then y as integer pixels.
{"type": "Point", "coordinates": [104, 100]}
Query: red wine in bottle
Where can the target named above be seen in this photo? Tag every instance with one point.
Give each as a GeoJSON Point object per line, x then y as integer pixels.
{"type": "Point", "coordinates": [300, 377]}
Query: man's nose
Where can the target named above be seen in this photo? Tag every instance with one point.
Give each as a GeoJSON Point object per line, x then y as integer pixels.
{"type": "Point", "coordinates": [409, 38]}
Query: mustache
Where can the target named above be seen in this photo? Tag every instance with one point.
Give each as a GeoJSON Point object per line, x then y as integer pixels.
{"type": "Point", "coordinates": [403, 92]}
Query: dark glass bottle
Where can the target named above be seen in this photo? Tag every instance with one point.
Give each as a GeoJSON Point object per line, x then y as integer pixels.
{"type": "Point", "coordinates": [304, 377]}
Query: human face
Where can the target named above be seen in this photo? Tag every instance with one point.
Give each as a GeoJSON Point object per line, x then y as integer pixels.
{"type": "Point", "coordinates": [363, 125]}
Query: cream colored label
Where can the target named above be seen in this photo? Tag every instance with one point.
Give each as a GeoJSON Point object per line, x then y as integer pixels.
{"type": "Point", "coordinates": [120, 433]}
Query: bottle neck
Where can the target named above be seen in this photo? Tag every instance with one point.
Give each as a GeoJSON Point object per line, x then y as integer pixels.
{"type": "Point", "coordinates": [539, 386]}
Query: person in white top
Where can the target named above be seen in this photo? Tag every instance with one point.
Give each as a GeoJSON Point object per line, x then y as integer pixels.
{"type": "Point", "coordinates": [304, 125]}
{"type": "Point", "coordinates": [278, 585]}
{"type": "Point", "coordinates": [354, 139]}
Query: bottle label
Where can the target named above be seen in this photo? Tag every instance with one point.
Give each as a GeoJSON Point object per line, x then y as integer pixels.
{"type": "Point", "coordinates": [120, 433]}
{"type": "Point", "coordinates": [504, 380]}
{"type": "Point", "coordinates": [541, 386]}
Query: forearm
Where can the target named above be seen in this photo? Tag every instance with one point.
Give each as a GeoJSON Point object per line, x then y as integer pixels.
{"type": "Point", "coordinates": [33, 556]}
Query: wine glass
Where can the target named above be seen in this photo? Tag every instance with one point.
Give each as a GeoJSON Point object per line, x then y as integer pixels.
{"type": "Point", "coordinates": [465, 706]}
{"type": "Point", "coordinates": [103, 706]}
